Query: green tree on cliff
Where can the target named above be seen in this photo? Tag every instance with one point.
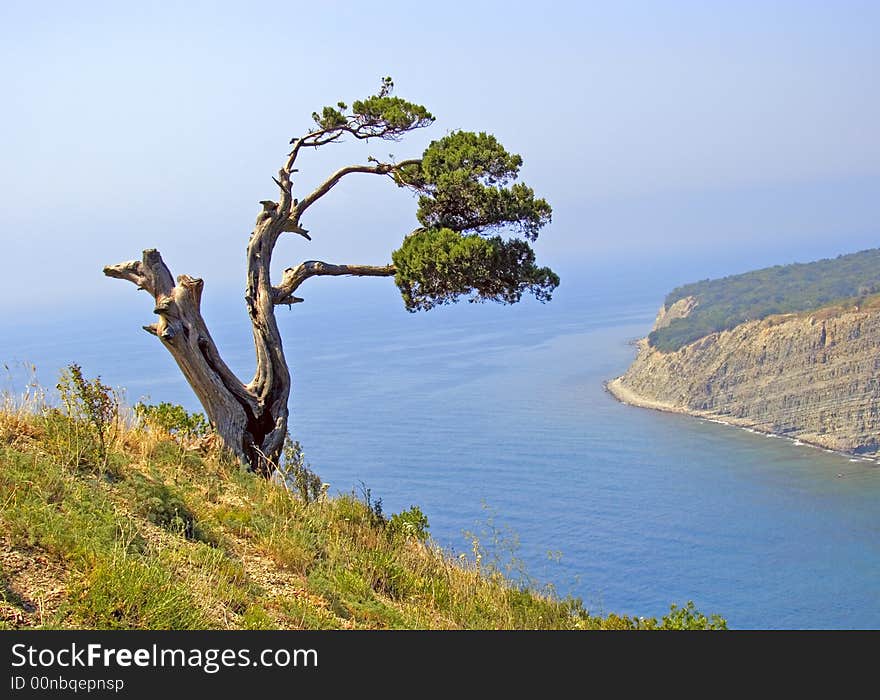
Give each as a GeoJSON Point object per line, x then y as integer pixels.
{"type": "Point", "coordinates": [468, 199]}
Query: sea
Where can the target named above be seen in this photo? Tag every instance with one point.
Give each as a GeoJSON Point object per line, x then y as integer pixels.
{"type": "Point", "coordinates": [495, 422]}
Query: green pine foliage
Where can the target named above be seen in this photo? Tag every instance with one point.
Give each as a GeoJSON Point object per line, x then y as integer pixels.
{"type": "Point", "coordinates": [468, 196]}
{"type": "Point", "coordinates": [727, 302]}
{"type": "Point", "coordinates": [463, 178]}
{"type": "Point", "coordinates": [379, 116]}
{"type": "Point", "coordinates": [466, 189]}
{"type": "Point", "coordinates": [440, 265]}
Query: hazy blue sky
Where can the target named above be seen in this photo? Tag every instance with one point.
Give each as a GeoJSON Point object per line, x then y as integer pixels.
{"type": "Point", "coordinates": [730, 133]}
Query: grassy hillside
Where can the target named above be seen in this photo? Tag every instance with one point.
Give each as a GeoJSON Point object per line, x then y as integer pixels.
{"type": "Point", "coordinates": [727, 302]}
{"type": "Point", "coordinates": [105, 523]}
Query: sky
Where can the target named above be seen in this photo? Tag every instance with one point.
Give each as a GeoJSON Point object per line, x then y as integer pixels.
{"type": "Point", "coordinates": [721, 135]}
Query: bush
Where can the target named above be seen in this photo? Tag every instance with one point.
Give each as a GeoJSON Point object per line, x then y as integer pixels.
{"type": "Point", "coordinates": [689, 618]}
{"type": "Point", "coordinates": [91, 410]}
{"type": "Point", "coordinates": [298, 475]}
{"type": "Point", "coordinates": [375, 514]}
{"type": "Point", "coordinates": [172, 419]}
{"type": "Point", "coordinates": [410, 523]}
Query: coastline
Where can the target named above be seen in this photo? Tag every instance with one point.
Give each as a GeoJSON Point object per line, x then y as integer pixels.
{"type": "Point", "coordinates": [628, 397]}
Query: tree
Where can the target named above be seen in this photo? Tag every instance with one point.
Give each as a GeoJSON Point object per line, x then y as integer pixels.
{"type": "Point", "coordinates": [466, 191]}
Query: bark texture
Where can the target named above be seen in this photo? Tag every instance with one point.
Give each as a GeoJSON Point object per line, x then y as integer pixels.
{"type": "Point", "coordinates": [250, 418]}
{"type": "Point", "coordinates": [232, 408]}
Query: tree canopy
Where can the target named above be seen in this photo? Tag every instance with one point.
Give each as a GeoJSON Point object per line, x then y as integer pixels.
{"type": "Point", "coordinates": [466, 190]}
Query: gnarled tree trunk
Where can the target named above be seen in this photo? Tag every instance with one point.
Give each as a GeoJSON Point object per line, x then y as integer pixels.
{"type": "Point", "coordinates": [247, 424]}
{"type": "Point", "coordinates": [251, 419]}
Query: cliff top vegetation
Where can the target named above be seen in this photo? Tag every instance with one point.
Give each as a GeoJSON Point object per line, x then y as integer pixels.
{"type": "Point", "coordinates": [729, 301]}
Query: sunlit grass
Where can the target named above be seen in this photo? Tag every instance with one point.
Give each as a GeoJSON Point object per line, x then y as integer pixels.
{"type": "Point", "coordinates": [164, 535]}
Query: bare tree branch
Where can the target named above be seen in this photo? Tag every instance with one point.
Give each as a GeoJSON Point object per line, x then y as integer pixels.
{"type": "Point", "coordinates": [295, 276]}
{"type": "Point", "coordinates": [313, 139]}
{"type": "Point", "coordinates": [361, 127]}
{"type": "Point", "coordinates": [150, 273]}
{"type": "Point", "coordinates": [333, 180]}
{"type": "Point", "coordinates": [322, 138]}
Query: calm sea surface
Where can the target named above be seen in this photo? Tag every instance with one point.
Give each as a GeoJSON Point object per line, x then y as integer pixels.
{"type": "Point", "coordinates": [481, 414]}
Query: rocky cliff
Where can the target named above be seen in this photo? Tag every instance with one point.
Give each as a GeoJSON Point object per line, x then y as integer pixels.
{"type": "Point", "coordinates": [811, 376]}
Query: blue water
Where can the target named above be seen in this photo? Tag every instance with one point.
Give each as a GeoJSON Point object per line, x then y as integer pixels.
{"type": "Point", "coordinates": [482, 412]}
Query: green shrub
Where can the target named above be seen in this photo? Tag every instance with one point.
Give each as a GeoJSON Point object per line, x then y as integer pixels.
{"type": "Point", "coordinates": [307, 616]}
{"type": "Point", "coordinates": [91, 410]}
{"type": "Point", "coordinates": [172, 419]}
{"type": "Point", "coordinates": [689, 618]}
{"type": "Point", "coordinates": [294, 548]}
{"type": "Point", "coordinates": [255, 618]}
{"type": "Point", "coordinates": [410, 523]}
{"type": "Point", "coordinates": [298, 475]}
{"type": "Point", "coordinates": [386, 574]}
{"type": "Point", "coordinates": [375, 513]}
{"type": "Point", "coordinates": [686, 618]}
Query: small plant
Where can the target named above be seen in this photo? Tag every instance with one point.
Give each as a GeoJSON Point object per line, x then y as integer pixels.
{"type": "Point", "coordinates": [410, 523]}
{"type": "Point", "coordinates": [256, 618]}
{"type": "Point", "coordinates": [374, 507]}
{"type": "Point", "coordinates": [172, 419]}
{"type": "Point", "coordinates": [495, 549]}
{"type": "Point", "coordinates": [689, 618]}
{"type": "Point", "coordinates": [298, 474]}
{"type": "Point", "coordinates": [188, 431]}
{"type": "Point", "coordinates": [92, 413]}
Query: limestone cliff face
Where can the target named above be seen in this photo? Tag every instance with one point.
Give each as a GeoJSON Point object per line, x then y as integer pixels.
{"type": "Point", "coordinates": [815, 377]}
{"type": "Point", "coordinates": [680, 309]}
